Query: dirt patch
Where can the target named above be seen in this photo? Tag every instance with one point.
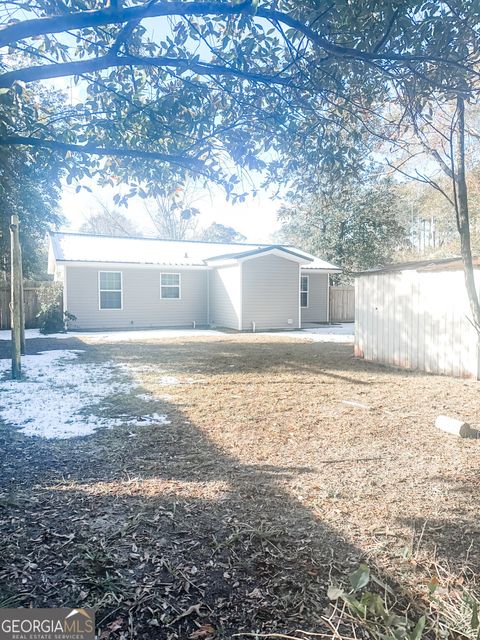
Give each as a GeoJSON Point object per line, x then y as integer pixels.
{"type": "Point", "coordinates": [285, 463]}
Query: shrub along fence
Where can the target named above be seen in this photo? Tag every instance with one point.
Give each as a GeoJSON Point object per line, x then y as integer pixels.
{"type": "Point", "coordinates": [31, 299]}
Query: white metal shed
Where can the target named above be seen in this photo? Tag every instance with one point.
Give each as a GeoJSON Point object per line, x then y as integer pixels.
{"type": "Point", "coordinates": [416, 315]}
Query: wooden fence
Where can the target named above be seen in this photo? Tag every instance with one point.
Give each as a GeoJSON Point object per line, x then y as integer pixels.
{"type": "Point", "coordinates": [342, 304]}
{"type": "Point", "coordinates": [32, 306]}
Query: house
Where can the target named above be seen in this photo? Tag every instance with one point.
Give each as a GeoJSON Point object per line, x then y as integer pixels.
{"type": "Point", "coordinates": [416, 315]}
{"type": "Point", "coordinates": [117, 283]}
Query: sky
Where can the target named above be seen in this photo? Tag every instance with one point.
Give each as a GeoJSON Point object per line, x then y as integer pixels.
{"type": "Point", "coordinates": [256, 218]}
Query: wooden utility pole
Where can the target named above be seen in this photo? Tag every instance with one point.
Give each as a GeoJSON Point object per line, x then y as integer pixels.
{"type": "Point", "coordinates": [16, 299]}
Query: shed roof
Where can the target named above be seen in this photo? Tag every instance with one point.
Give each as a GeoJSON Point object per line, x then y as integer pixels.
{"type": "Point", "coordinates": [89, 248]}
{"type": "Point", "coordinates": [437, 264]}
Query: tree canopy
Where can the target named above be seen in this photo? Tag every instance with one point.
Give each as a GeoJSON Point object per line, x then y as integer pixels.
{"type": "Point", "coordinates": [217, 232]}
{"type": "Point", "coordinates": [204, 86]}
{"type": "Point", "coordinates": [286, 89]}
{"type": "Point", "coordinates": [357, 225]}
{"type": "Point", "coordinates": [111, 223]}
{"type": "Point", "coordinates": [29, 189]}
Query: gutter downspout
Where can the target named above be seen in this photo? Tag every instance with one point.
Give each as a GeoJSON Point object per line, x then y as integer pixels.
{"type": "Point", "coordinates": [328, 298]}
{"type": "Point", "coordinates": [240, 310]}
{"type": "Point", "coordinates": [208, 297]}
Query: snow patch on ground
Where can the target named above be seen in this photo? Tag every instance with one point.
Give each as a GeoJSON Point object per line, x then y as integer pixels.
{"type": "Point", "coordinates": [168, 381]}
{"type": "Point", "coordinates": [148, 397]}
{"type": "Point", "coordinates": [132, 335]}
{"type": "Point", "coordinates": [6, 334]}
{"type": "Point", "coordinates": [171, 381]}
{"type": "Point", "coordinates": [56, 396]}
{"type": "Point", "coordinates": [325, 333]}
{"type": "Point", "coordinates": [344, 333]}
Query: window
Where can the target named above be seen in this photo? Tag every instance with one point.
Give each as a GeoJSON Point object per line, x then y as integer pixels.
{"type": "Point", "coordinates": [110, 289]}
{"type": "Point", "coordinates": [170, 286]}
{"type": "Point", "coordinates": [304, 291]}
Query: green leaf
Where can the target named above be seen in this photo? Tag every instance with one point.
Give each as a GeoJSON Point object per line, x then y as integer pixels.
{"type": "Point", "coordinates": [474, 622]}
{"type": "Point", "coordinates": [416, 634]}
{"type": "Point", "coordinates": [360, 578]}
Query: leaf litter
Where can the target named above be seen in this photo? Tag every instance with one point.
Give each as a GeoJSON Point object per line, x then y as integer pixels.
{"type": "Point", "coordinates": [225, 521]}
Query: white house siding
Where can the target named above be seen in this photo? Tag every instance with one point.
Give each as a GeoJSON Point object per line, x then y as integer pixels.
{"type": "Point", "coordinates": [142, 305]}
{"type": "Point", "coordinates": [416, 320]}
{"type": "Point", "coordinates": [317, 310]}
{"type": "Point", "coordinates": [270, 293]}
{"type": "Point", "coordinates": [225, 296]}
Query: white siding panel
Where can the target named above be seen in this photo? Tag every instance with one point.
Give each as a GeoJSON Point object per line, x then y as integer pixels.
{"type": "Point", "coordinates": [142, 305]}
{"type": "Point", "coordinates": [317, 310]}
{"type": "Point", "coordinates": [271, 293]}
{"type": "Point", "coordinates": [416, 320]}
{"type": "Point", "coordinates": [225, 297]}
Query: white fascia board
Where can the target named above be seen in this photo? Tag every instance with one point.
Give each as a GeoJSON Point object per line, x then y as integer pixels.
{"type": "Point", "coordinates": [214, 264]}
{"type": "Point", "coordinates": [313, 270]}
{"type": "Point", "coordinates": [131, 265]}
{"type": "Point", "coordinates": [273, 252]}
{"type": "Point", "coordinates": [276, 252]}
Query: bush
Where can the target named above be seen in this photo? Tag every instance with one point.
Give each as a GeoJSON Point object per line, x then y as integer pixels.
{"type": "Point", "coordinates": [52, 317]}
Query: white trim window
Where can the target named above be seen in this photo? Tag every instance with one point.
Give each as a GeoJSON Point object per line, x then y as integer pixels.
{"type": "Point", "coordinates": [304, 291]}
{"type": "Point", "coordinates": [170, 286]}
{"type": "Point", "coordinates": [110, 290]}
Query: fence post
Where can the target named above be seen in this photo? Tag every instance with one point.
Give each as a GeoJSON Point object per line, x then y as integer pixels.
{"type": "Point", "coordinates": [16, 301]}
{"type": "Point", "coordinates": [22, 303]}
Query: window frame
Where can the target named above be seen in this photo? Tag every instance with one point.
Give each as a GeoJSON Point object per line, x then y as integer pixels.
{"type": "Point", "coordinates": [171, 286]}
{"type": "Point", "coordinates": [307, 291]}
{"type": "Point", "coordinates": [100, 291]}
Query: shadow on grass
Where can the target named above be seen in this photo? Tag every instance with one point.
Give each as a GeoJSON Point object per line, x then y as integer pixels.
{"type": "Point", "coordinates": [145, 528]}
{"type": "Point", "coordinates": [159, 529]}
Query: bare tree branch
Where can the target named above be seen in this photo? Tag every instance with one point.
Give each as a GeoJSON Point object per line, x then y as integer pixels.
{"type": "Point", "coordinates": [183, 161]}
{"type": "Point", "coordinates": [418, 177]}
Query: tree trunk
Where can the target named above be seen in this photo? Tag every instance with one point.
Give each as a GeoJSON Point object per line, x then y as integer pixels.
{"type": "Point", "coordinates": [463, 221]}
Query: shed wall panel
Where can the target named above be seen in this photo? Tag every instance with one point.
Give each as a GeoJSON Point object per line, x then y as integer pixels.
{"type": "Point", "coordinates": [416, 320]}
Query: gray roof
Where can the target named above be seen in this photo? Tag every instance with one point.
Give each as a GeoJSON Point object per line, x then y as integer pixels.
{"type": "Point", "coordinates": [82, 247]}
{"type": "Point", "coordinates": [260, 250]}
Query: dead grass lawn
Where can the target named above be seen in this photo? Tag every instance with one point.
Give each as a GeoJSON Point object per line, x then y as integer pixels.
{"type": "Point", "coordinates": [265, 487]}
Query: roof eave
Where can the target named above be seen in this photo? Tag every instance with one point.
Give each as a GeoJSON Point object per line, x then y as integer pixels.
{"type": "Point", "coordinates": [433, 265]}
{"type": "Point", "coordinates": [235, 258]}
{"type": "Point", "coordinates": [126, 264]}
{"type": "Point", "coordinates": [322, 270]}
